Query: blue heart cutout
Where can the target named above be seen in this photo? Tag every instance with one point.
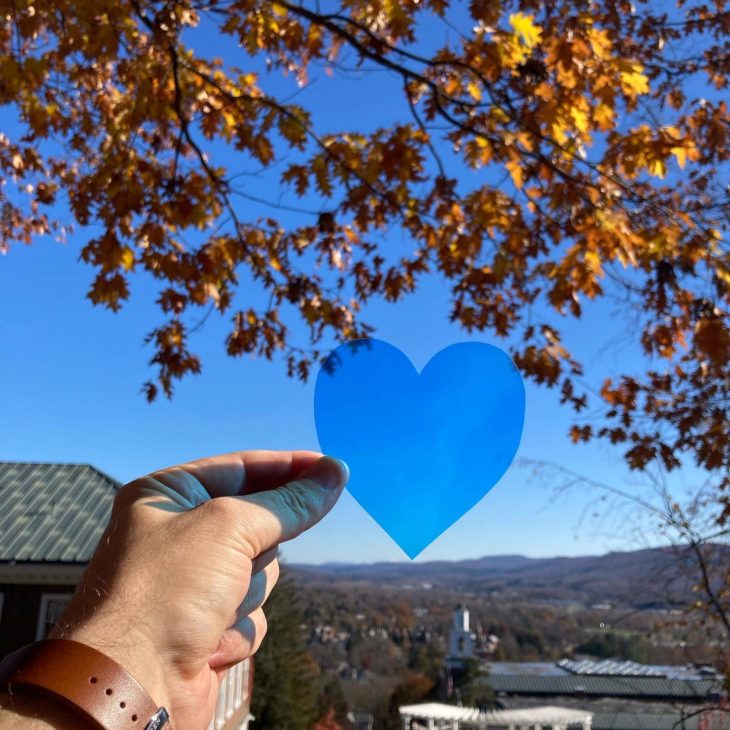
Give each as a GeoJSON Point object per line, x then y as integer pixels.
{"type": "Point", "coordinates": [422, 449]}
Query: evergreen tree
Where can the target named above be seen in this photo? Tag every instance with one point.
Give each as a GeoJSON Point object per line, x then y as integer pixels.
{"type": "Point", "coordinates": [331, 702]}
{"type": "Point", "coordinates": [413, 689]}
{"type": "Point", "coordinates": [426, 658]}
{"type": "Point", "coordinates": [285, 690]}
{"type": "Point", "coordinates": [473, 686]}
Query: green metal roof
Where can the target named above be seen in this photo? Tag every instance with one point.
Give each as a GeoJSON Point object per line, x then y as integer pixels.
{"type": "Point", "coordinates": [643, 721]}
{"type": "Point", "coordinates": [603, 686]}
{"type": "Point", "coordinates": [52, 512]}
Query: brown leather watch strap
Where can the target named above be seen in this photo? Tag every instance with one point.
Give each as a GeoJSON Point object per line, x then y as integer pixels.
{"type": "Point", "coordinates": [85, 680]}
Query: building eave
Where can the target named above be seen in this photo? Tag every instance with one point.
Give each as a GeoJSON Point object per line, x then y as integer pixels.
{"type": "Point", "coordinates": [33, 573]}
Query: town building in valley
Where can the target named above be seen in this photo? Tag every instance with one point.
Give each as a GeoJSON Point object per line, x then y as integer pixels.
{"type": "Point", "coordinates": [616, 694]}
{"type": "Point", "coordinates": [461, 638]}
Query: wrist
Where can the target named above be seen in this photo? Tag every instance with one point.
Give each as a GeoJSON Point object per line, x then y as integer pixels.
{"type": "Point", "coordinates": [131, 650]}
{"type": "Point", "coordinates": [76, 676]}
{"type": "Point", "coordinates": [33, 711]}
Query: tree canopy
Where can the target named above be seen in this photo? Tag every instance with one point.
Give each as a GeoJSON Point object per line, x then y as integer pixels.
{"type": "Point", "coordinates": [284, 673]}
{"type": "Point", "coordinates": [548, 153]}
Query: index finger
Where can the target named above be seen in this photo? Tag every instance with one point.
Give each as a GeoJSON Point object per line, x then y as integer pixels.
{"type": "Point", "coordinates": [242, 472]}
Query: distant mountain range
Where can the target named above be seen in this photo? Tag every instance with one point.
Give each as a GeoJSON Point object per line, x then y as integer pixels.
{"type": "Point", "coordinates": [658, 577]}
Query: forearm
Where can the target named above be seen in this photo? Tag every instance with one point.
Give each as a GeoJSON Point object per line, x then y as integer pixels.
{"type": "Point", "coordinates": [26, 711]}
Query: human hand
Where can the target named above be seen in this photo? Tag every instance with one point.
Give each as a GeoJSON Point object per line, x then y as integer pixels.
{"type": "Point", "coordinates": [175, 589]}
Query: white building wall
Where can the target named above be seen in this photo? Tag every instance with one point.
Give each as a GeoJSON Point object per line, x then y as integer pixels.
{"type": "Point", "coordinates": [461, 641]}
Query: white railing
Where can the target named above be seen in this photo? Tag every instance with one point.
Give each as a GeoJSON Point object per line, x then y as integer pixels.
{"type": "Point", "coordinates": [232, 694]}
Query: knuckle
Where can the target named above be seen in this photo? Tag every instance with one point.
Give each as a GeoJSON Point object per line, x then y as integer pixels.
{"type": "Point", "coordinates": [127, 495]}
{"type": "Point", "coordinates": [213, 519]}
{"type": "Point", "coordinates": [219, 509]}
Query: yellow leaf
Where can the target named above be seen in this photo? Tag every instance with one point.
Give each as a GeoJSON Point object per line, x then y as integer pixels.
{"type": "Point", "coordinates": [559, 132]}
{"type": "Point", "coordinates": [600, 43]}
{"type": "Point", "coordinates": [594, 262]}
{"type": "Point", "coordinates": [475, 91]}
{"type": "Point", "coordinates": [603, 116]}
{"type": "Point", "coordinates": [681, 154]}
{"type": "Point", "coordinates": [229, 118]}
{"type": "Point", "coordinates": [525, 140]}
{"type": "Point", "coordinates": [523, 27]}
{"type": "Point", "coordinates": [580, 118]}
{"type": "Point", "coordinates": [723, 274]}
{"type": "Point", "coordinates": [685, 152]}
{"type": "Point", "coordinates": [633, 81]}
{"type": "Point", "coordinates": [515, 170]}
{"type": "Point", "coordinates": [513, 53]}
{"type": "Point", "coordinates": [657, 167]}
{"type": "Point", "coordinates": [127, 258]}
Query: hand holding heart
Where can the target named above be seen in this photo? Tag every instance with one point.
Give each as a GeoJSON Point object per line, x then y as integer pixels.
{"type": "Point", "coordinates": [176, 588]}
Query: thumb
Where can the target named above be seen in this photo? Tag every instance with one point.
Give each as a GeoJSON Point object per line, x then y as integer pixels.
{"type": "Point", "coordinates": [283, 513]}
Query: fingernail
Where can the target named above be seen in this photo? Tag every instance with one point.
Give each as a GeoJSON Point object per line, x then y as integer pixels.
{"type": "Point", "coordinates": [345, 471]}
{"type": "Point", "coordinates": [331, 473]}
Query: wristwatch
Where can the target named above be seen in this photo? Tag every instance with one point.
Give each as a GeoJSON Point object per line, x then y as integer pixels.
{"type": "Point", "coordinates": [85, 680]}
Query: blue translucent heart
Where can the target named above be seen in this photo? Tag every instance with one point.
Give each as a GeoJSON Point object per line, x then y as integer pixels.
{"type": "Point", "coordinates": [422, 449]}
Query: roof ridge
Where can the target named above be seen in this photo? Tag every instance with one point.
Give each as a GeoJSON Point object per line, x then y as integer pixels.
{"type": "Point", "coordinates": [25, 462]}
{"type": "Point", "coordinates": [115, 483]}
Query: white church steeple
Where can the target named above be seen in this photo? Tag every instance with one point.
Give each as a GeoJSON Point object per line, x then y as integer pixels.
{"type": "Point", "coordinates": [461, 640]}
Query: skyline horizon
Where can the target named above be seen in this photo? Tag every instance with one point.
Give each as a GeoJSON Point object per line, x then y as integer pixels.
{"type": "Point", "coordinates": [494, 556]}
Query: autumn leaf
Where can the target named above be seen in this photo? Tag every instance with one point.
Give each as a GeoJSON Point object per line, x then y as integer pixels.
{"type": "Point", "coordinates": [525, 29]}
{"type": "Point", "coordinates": [516, 172]}
{"type": "Point", "coordinates": [633, 81]}
{"type": "Point", "coordinates": [474, 90]}
{"type": "Point", "coordinates": [603, 115]}
{"type": "Point", "coordinates": [712, 338]}
{"type": "Point", "coordinates": [127, 258]}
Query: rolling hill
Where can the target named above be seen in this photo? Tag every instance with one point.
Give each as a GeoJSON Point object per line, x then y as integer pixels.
{"type": "Point", "coordinates": [660, 577]}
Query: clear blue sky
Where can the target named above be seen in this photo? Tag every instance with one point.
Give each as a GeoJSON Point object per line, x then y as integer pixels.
{"type": "Point", "coordinates": [70, 377]}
